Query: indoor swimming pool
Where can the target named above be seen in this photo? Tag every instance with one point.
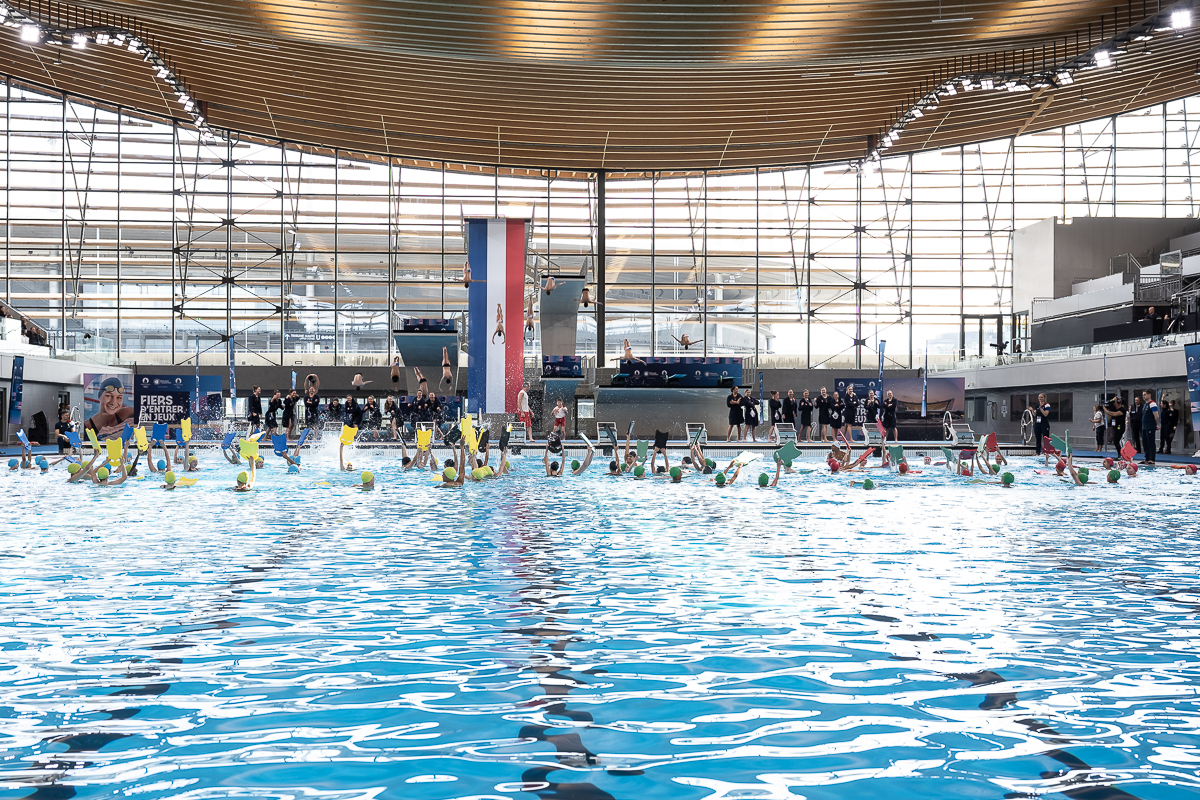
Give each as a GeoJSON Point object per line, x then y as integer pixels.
{"type": "Point", "coordinates": [598, 637]}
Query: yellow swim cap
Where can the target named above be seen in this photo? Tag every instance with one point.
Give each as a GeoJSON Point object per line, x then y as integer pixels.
{"type": "Point", "coordinates": [367, 477]}
{"type": "Point", "coordinates": [73, 468]}
{"type": "Point", "coordinates": [243, 477]}
{"type": "Point", "coordinates": [169, 477]}
{"type": "Point", "coordinates": [478, 473]}
{"type": "Point", "coordinates": [450, 474]}
{"type": "Point", "coordinates": [102, 473]}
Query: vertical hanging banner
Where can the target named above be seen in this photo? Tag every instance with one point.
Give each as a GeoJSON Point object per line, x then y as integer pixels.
{"type": "Point", "coordinates": [232, 380]}
{"type": "Point", "coordinates": [925, 385]}
{"type": "Point", "coordinates": [882, 345]}
{"type": "Point", "coordinates": [495, 349]}
{"type": "Point", "coordinates": [16, 389]}
{"type": "Point", "coordinates": [196, 400]}
{"type": "Point", "coordinates": [1191, 355]}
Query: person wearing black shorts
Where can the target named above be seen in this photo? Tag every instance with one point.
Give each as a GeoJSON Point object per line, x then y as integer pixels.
{"type": "Point", "coordinates": [312, 408]}
{"type": "Point", "coordinates": [806, 415]}
{"type": "Point", "coordinates": [273, 408]}
{"type": "Point", "coordinates": [734, 403]}
{"type": "Point", "coordinates": [254, 407]}
{"type": "Point", "coordinates": [289, 412]}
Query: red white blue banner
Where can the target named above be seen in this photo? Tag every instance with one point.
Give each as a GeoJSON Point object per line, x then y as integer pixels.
{"type": "Point", "coordinates": [495, 361]}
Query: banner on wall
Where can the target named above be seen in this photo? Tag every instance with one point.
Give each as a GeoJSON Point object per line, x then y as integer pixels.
{"type": "Point", "coordinates": [495, 310]}
{"type": "Point", "coordinates": [920, 402]}
{"type": "Point", "coordinates": [16, 389]}
{"type": "Point", "coordinates": [1191, 354]}
{"type": "Point", "coordinates": [107, 403]}
{"type": "Point", "coordinates": [168, 398]}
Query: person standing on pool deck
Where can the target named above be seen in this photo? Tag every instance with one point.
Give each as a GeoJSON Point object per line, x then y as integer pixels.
{"type": "Point", "coordinates": [734, 403]}
{"type": "Point", "coordinates": [1170, 418]}
{"type": "Point", "coordinates": [805, 407]}
{"type": "Point", "coordinates": [560, 418]}
{"type": "Point", "coordinates": [888, 411]}
{"type": "Point", "coordinates": [1116, 416]}
{"type": "Point", "coordinates": [1135, 422]}
{"type": "Point", "coordinates": [1041, 422]}
{"type": "Point", "coordinates": [254, 407]}
{"type": "Point", "coordinates": [524, 414]}
{"type": "Point", "coordinates": [775, 414]}
{"type": "Point", "coordinates": [822, 405]}
{"type": "Point", "coordinates": [271, 421]}
{"type": "Point", "coordinates": [289, 412]}
{"type": "Point", "coordinates": [837, 411]}
{"type": "Point", "coordinates": [1150, 422]}
{"type": "Point", "coordinates": [750, 413]}
{"type": "Point", "coordinates": [1098, 427]}
{"type": "Point", "coordinates": [790, 407]}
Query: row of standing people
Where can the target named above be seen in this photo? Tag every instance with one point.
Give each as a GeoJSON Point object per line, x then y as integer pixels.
{"type": "Point", "coordinates": [830, 412]}
{"type": "Point", "coordinates": [1146, 421]}
{"type": "Point", "coordinates": [280, 413]}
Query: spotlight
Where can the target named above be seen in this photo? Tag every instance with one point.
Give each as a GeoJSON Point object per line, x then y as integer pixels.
{"type": "Point", "coordinates": [102, 38]}
{"type": "Point", "coordinates": [120, 40]}
{"type": "Point", "coordinates": [1010, 85]}
{"type": "Point", "coordinates": [1181, 18]}
{"type": "Point", "coordinates": [3, 13]}
{"type": "Point", "coordinates": [1103, 59]}
{"type": "Point", "coordinates": [188, 105]}
{"type": "Point", "coordinates": [895, 134]}
{"type": "Point", "coordinates": [1065, 78]}
{"type": "Point", "coordinates": [987, 83]}
{"type": "Point", "coordinates": [917, 112]}
{"type": "Point", "coordinates": [950, 90]}
{"type": "Point", "coordinates": [967, 85]}
{"type": "Point", "coordinates": [31, 33]}
{"type": "Point", "coordinates": [79, 41]}
{"type": "Point", "coordinates": [162, 72]}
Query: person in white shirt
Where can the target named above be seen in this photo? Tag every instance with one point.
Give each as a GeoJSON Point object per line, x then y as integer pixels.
{"type": "Point", "coordinates": [523, 413]}
{"type": "Point", "coordinates": [560, 417]}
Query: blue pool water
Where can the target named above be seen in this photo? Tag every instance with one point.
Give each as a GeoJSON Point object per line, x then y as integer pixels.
{"type": "Point", "coordinates": [599, 638]}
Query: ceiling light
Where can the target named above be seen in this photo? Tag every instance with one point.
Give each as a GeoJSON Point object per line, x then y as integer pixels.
{"type": "Point", "coordinates": [986, 83]}
{"type": "Point", "coordinates": [1065, 78]}
{"type": "Point", "coordinates": [950, 90]}
{"type": "Point", "coordinates": [895, 134]}
{"type": "Point", "coordinates": [188, 105]}
{"type": "Point", "coordinates": [162, 72]}
{"type": "Point", "coordinates": [79, 41]}
{"type": "Point", "coordinates": [1010, 85]}
{"type": "Point", "coordinates": [120, 40]}
{"type": "Point", "coordinates": [102, 38]}
{"type": "Point", "coordinates": [916, 112]}
{"type": "Point", "coordinates": [1181, 18]}
{"type": "Point", "coordinates": [967, 84]}
{"type": "Point", "coordinates": [3, 13]}
{"type": "Point", "coordinates": [1103, 58]}
{"type": "Point", "coordinates": [31, 33]}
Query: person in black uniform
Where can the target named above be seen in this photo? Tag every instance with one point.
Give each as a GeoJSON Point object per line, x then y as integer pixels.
{"type": "Point", "coordinates": [289, 412]}
{"type": "Point", "coordinates": [790, 407]}
{"type": "Point", "coordinates": [392, 412]}
{"type": "Point", "coordinates": [805, 407]}
{"type": "Point", "coordinates": [1170, 419]}
{"type": "Point", "coordinates": [433, 408]}
{"type": "Point", "coordinates": [1135, 423]}
{"type": "Point", "coordinates": [888, 410]}
{"type": "Point", "coordinates": [750, 414]}
{"type": "Point", "coordinates": [273, 408]}
{"type": "Point", "coordinates": [872, 408]}
{"type": "Point", "coordinates": [372, 416]}
{"type": "Point", "coordinates": [312, 408]}
{"type": "Point", "coordinates": [775, 411]}
{"type": "Point", "coordinates": [1151, 419]}
{"type": "Point", "coordinates": [333, 411]}
{"type": "Point", "coordinates": [837, 415]}
{"type": "Point", "coordinates": [62, 428]}
{"type": "Point", "coordinates": [1041, 423]}
{"type": "Point", "coordinates": [822, 404]}
{"type": "Point", "coordinates": [1115, 411]}
{"type": "Point", "coordinates": [734, 403]}
{"type": "Point", "coordinates": [352, 412]}
{"type": "Point", "coordinates": [254, 407]}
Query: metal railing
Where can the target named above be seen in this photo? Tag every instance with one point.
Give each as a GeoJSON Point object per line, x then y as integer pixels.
{"type": "Point", "coordinates": [1075, 351]}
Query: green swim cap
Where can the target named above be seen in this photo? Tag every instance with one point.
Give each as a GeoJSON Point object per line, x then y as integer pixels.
{"type": "Point", "coordinates": [367, 477]}
{"type": "Point", "coordinates": [478, 473]}
{"type": "Point", "coordinates": [243, 477]}
{"type": "Point", "coordinates": [868, 484]}
{"type": "Point", "coordinates": [73, 468]}
{"type": "Point", "coordinates": [169, 477]}
{"type": "Point", "coordinates": [488, 471]}
{"type": "Point", "coordinates": [1007, 479]}
{"type": "Point", "coordinates": [450, 474]}
{"type": "Point", "coordinates": [788, 463]}
{"type": "Point", "coordinates": [676, 472]}
{"type": "Point", "coordinates": [720, 479]}
{"type": "Point", "coordinates": [102, 473]}
{"type": "Point", "coordinates": [1083, 474]}
{"type": "Point", "coordinates": [995, 468]}
{"type": "Point", "coordinates": [709, 462]}
{"type": "Point", "coordinates": [575, 463]}
{"type": "Point", "coordinates": [763, 479]}
{"type": "Point", "coordinates": [639, 471]}
{"type": "Point", "coordinates": [1114, 475]}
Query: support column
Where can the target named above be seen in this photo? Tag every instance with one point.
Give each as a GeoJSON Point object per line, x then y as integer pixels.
{"type": "Point", "coordinates": [601, 268]}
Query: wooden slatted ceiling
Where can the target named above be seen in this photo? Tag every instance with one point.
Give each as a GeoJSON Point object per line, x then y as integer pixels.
{"type": "Point", "coordinates": [583, 86]}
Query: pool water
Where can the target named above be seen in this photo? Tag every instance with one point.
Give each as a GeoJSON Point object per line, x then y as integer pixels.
{"type": "Point", "coordinates": [598, 637]}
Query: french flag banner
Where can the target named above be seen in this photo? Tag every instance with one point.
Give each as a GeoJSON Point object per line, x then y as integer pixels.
{"type": "Point", "coordinates": [495, 348]}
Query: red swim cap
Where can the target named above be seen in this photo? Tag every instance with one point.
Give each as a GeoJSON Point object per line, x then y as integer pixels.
{"type": "Point", "coordinates": [834, 466]}
{"type": "Point", "coordinates": [1190, 469]}
{"type": "Point", "coordinates": [1060, 466]}
{"type": "Point", "coordinates": [903, 468]}
{"type": "Point", "coordinates": [1108, 462]}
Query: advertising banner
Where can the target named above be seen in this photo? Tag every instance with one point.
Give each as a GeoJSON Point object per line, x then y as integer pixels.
{"type": "Point", "coordinates": [1191, 354]}
{"type": "Point", "coordinates": [107, 403]}
{"type": "Point", "coordinates": [168, 398]}
{"type": "Point", "coordinates": [920, 402]}
{"type": "Point", "coordinates": [17, 388]}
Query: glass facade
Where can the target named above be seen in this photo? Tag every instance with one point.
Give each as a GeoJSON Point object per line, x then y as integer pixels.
{"type": "Point", "coordinates": [126, 236]}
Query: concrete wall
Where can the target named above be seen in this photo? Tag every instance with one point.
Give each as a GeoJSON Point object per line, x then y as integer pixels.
{"type": "Point", "coordinates": [45, 378]}
{"type": "Point", "coordinates": [1048, 258]}
{"type": "Point", "coordinates": [1075, 330]}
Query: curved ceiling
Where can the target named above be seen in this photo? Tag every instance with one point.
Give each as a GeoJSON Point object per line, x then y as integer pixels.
{"type": "Point", "coordinates": [624, 86]}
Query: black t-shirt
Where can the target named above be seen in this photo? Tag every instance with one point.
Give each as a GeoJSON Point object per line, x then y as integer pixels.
{"type": "Point", "coordinates": [751, 409]}
{"type": "Point", "coordinates": [435, 407]}
{"type": "Point", "coordinates": [789, 410]}
{"type": "Point", "coordinates": [837, 411]}
{"type": "Point", "coordinates": [776, 410]}
{"type": "Point", "coordinates": [806, 412]}
{"type": "Point", "coordinates": [1135, 416]}
{"type": "Point", "coordinates": [1041, 414]}
{"type": "Point", "coordinates": [872, 410]}
{"type": "Point", "coordinates": [312, 407]}
{"type": "Point", "coordinates": [255, 406]}
{"type": "Point", "coordinates": [272, 409]}
{"type": "Point", "coordinates": [1149, 423]}
{"type": "Point", "coordinates": [289, 408]}
{"type": "Point", "coordinates": [1117, 421]}
{"type": "Point", "coordinates": [823, 405]}
{"type": "Point", "coordinates": [889, 413]}
{"type": "Point", "coordinates": [63, 428]}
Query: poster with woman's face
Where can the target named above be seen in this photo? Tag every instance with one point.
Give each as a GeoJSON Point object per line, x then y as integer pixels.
{"type": "Point", "coordinates": [107, 403]}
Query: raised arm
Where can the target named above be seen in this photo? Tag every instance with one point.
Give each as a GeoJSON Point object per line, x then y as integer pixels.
{"type": "Point", "coordinates": [736, 472]}
{"type": "Point", "coordinates": [778, 469]}
{"type": "Point", "coordinates": [587, 461]}
{"type": "Point", "coordinates": [341, 456]}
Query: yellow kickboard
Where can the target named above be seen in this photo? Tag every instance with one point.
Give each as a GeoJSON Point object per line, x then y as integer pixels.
{"type": "Point", "coordinates": [139, 434]}
{"type": "Point", "coordinates": [348, 434]}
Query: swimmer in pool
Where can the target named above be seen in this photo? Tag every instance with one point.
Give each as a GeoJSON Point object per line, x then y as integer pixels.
{"type": "Point", "coordinates": [552, 468]}
{"type": "Point", "coordinates": [168, 481]}
{"type": "Point", "coordinates": [721, 479]}
{"type": "Point", "coordinates": [101, 476]}
{"type": "Point", "coordinates": [579, 469]}
{"type": "Point", "coordinates": [78, 472]}
{"type": "Point", "coordinates": [368, 481]}
{"type": "Point", "coordinates": [245, 482]}
{"type": "Point", "coordinates": [453, 478]}
{"type": "Point", "coordinates": [343, 464]}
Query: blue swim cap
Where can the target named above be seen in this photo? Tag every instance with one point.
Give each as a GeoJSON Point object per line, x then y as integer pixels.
{"type": "Point", "coordinates": [162, 464]}
{"type": "Point", "coordinates": [296, 459]}
{"type": "Point", "coordinates": [13, 463]}
{"type": "Point", "coordinates": [293, 469]}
